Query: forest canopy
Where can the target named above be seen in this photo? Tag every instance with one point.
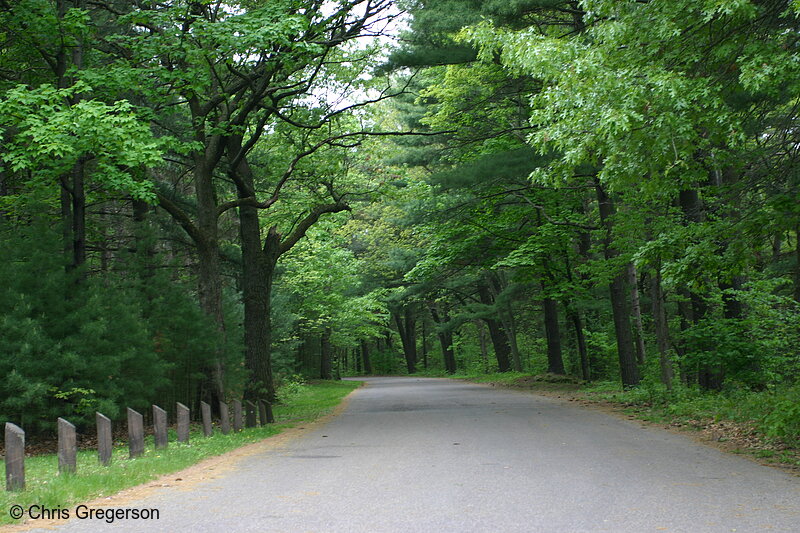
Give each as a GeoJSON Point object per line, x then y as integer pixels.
{"type": "Point", "coordinates": [199, 199]}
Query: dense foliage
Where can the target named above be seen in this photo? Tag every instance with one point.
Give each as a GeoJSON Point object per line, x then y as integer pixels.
{"type": "Point", "coordinates": [200, 198]}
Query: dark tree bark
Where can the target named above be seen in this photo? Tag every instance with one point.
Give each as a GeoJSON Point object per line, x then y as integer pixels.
{"type": "Point", "coordinates": [78, 195]}
{"type": "Point", "coordinates": [407, 328]}
{"type": "Point", "coordinates": [259, 259]}
{"type": "Point", "coordinates": [326, 357]}
{"type": "Point", "coordinates": [481, 327]}
{"type": "Point", "coordinates": [143, 243]}
{"type": "Point", "coordinates": [709, 376]}
{"type": "Point", "coordinates": [505, 312]}
{"type": "Point", "coordinates": [688, 373]}
{"type": "Point", "coordinates": [66, 223]}
{"type": "Point", "coordinates": [618, 292]}
{"type": "Point", "coordinates": [636, 311]}
{"type": "Point", "coordinates": [502, 348]}
{"type": "Point", "coordinates": [209, 278]}
{"type": "Point", "coordinates": [580, 339]}
{"type": "Point", "coordinates": [73, 196]}
{"type": "Point", "coordinates": [445, 338]}
{"type": "Point", "coordinates": [424, 343]}
{"type": "Point", "coordinates": [555, 362]}
{"type": "Point", "coordinates": [365, 357]}
{"type": "Point", "coordinates": [661, 328]}
{"type": "Point", "coordinates": [574, 315]}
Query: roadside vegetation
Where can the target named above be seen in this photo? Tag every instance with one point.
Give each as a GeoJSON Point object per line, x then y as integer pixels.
{"type": "Point", "coordinates": [45, 487]}
{"type": "Point", "coordinates": [201, 200]}
{"type": "Point", "coordinates": [764, 424]}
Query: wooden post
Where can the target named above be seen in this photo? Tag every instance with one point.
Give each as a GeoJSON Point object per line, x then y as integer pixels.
{"type": "Point", "coordinates": [262, 412]}
{"type": "Point", "coordinates": [205, 410]}
{"type": "Point", "coordinates": [250, 419]}
{"type": "Point", "coordinates": [183, 422]}
{"type": "Point", "coordinates": [104, 442]}
{"type": "Point", "coordinates": [224, 418]}
{"type": "Point", "coordinates": [67, 448]}
{"type": "Point", "coordinates": [237, 415]}
{"type": "Point", "coordinates": [135, 433]}
{"type": "Point", "coordinates": [15, 457]}
{"type": "Point", "coordinates": [270, 416]}
{"type": "Point", "coordinates": [159, 427]}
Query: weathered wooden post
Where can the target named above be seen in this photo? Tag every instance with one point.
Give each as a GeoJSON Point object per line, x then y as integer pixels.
{"type": "Point", "coordinates": [135, 433]}
{"type": "Point", "coordinates": [15, 457]}
{"type": "Point", "coordinates": [237, 415]}
{"type": "Point", "coordinates": [67, 448]}
{"type": "Point", "coordinates": [205, 410]}
{"type": "Point", "coordinates": [265, 412]}
{"type": "Point", "coordinates": [270, 415]}
{"type": "Point", "coordinates": [104, 442]}
{"type": "Point", "coordinates": [250, 419]}
{"type": "Point", "coordinates": [224, 418]}
{"type": "Point", "coordinates": [159, 427]}
{"type": "Point", "coordinates": [183, 422]}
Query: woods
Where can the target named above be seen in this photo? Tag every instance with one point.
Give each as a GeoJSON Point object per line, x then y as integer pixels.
{"type": "Point", "coordinates": [201, 198]}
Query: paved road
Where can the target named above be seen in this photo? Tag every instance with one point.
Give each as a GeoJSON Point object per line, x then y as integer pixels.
{"type": "Point", "coordinates": [433, 455]}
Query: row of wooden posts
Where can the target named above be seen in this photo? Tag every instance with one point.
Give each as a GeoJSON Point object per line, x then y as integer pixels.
{"type": "Point", "coordinates": [67, 439]}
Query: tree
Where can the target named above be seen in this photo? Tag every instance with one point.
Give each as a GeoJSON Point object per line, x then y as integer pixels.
{"type": "Point", "coordinates": [639, 101]}
{"type": "Point", "coordinates": [237, 70]}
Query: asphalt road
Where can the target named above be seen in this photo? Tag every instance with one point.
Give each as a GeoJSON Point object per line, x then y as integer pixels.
{"type": "Point", "coordinates": [433, 455]}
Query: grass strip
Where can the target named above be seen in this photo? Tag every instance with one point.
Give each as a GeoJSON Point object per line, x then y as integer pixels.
{"type": "Point", "coordinates": [45, 487]}
{"type": "Point", "coordinates": [765, 424]}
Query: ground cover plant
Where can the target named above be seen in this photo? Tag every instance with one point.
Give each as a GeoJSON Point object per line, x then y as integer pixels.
{"type": "Point", "coordinates": [45, 487]}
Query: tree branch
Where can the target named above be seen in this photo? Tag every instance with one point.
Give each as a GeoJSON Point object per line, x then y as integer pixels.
{"type": "Point", "coordinates": [250, 201]}
{"type": "Point", "coordinates": [301, 229]}
{"type": "Point", "coordinates": [181, 217]}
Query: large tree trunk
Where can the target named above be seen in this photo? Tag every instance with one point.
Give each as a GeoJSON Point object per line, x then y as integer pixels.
{"type": "Point", "coordinates": [574, 315]}
{"type": "Point", "coordinates": [407, 328]}
{"type": "Point", "coordinates": [619, 302]}
{"type": "Point", "coordinates": [502, 348]}
{"type": "Point", "coordinates": [480, 326]}
{"type": "Point", "coordinates": [66, 223]}
{"type": "Point", "coordinates": [510, 325]}
{"type": "Point", "coordinates": [209, 271]}
{"type": "Point", "coordinates": [661, 328]}
{"type": "Point", "coordinates": [365, 357]}
{"type": "Point", "coordinates": [580, 339]}
{"type": "Point", "coordinates": [445, 339]}
{"type": "Point", "coordinates": [258, 266]}
{"type": "Point", "coordinates": [708, 377]}
{"type": "Point", "coordinates": [259, 259]}
{"type": "Point", "coordinates": [73, 196]}
{"type": "Point", "coordinates": [424, 343]}
{"type": "Point", "coordinates": [78, 215]}
{"type": "Point", "coordinates": [144, 245]}
{"type": "Point", "coordinates": [506, 313]}
{"type": "Point", "coordinates": [209, 281]}
{"type": "Point", "coordinates": [636, 311]}
{"type": "Point", "coordinates": [688, 373]}
{"type": "Point", "coordinates": [326, 357]}
{"type": "Point", "coordinates": [555, 362]}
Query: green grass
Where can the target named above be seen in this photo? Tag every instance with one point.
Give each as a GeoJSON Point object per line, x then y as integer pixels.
{"type": "Point", "coordinates": [496, 377]}
{"type": "Point", "coordinates": [772, 415]}
{"type": "Point", "coordinates": [773, 411]}
{"type": "Point", "coordinates": [477, 377]}
{"type": "Point", "coordinates": [46, 488]}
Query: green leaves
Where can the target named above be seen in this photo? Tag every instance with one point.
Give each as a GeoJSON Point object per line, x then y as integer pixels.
{"type": "Point", "coordinates": [49, 135]}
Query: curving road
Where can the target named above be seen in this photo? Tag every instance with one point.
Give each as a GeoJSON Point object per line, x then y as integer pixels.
{"type": "Point", "coordinates": [435, 455]}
